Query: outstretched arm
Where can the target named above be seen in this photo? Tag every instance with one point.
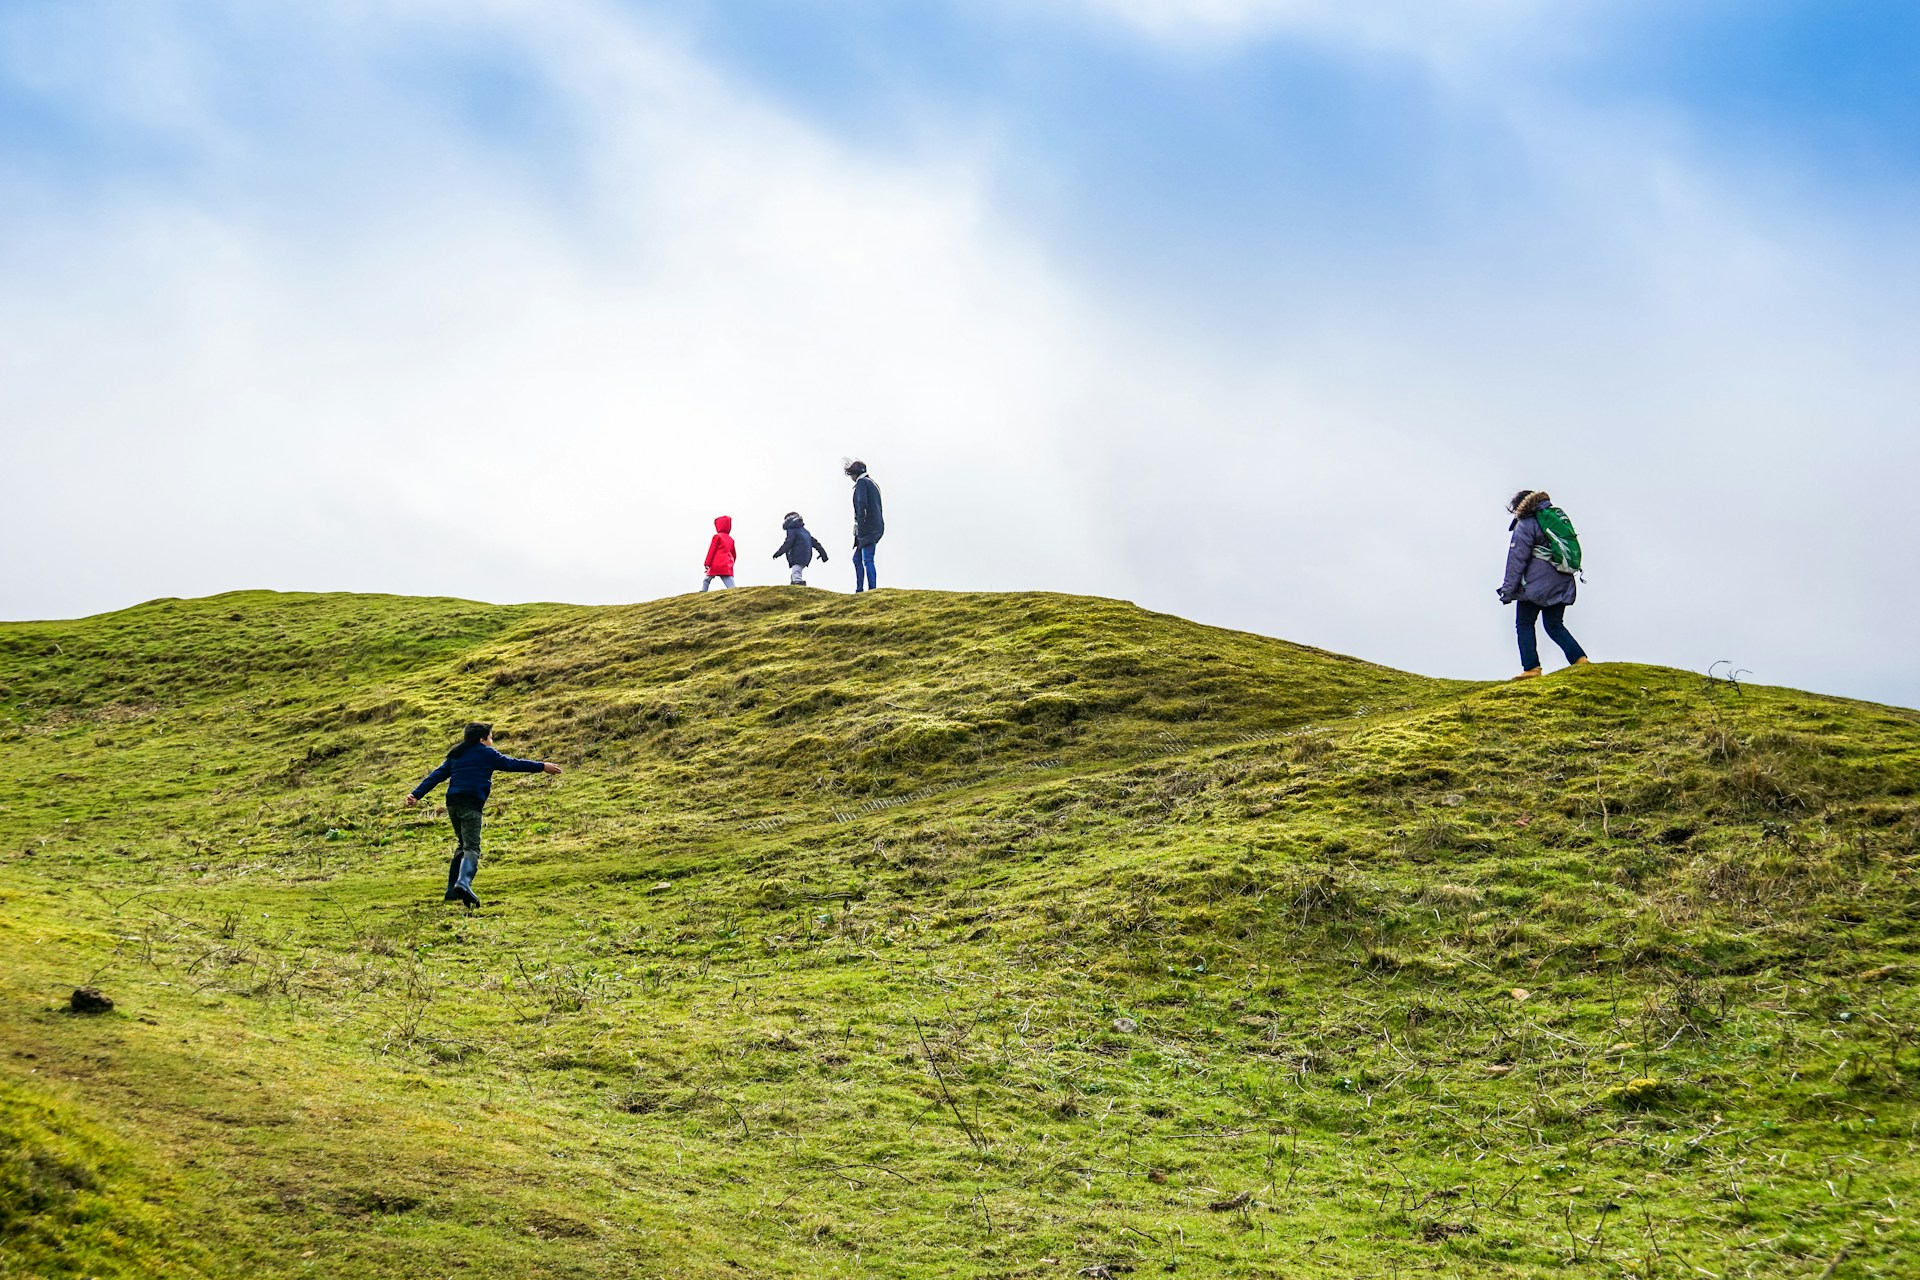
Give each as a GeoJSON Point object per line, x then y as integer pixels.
{"type": "Point", "coordinates": [429, 782]}
{"type": "Point", "coordinates": [818, 549]}
{"type": "Point", "coordinates": [510, 764]}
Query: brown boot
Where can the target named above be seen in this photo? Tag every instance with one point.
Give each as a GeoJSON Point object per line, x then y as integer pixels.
{"type": "Point", "coordinates": [1532, 673]}
{"type": "Point", "coordinates": [1581, 661]}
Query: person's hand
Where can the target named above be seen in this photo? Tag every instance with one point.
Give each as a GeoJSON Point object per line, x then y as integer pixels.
{"type": "Point", "coordinates": [551, 767]}
{"type": "Point", "coordinates": [412, 800]}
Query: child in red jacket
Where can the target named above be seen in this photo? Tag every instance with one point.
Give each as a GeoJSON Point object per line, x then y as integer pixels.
{"type": "Point", "coordinates": [720, 554]}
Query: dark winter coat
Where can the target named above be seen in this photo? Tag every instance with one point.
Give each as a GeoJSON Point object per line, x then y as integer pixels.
{"type": "Point", "coordinates": [1532, 577]}
{"type": "Point", "coordinates": [720, 550]}
{"type": "Point", "coordinates": [800, 547]}
{"type": "Point", "coordinates": [867, 524]}
{"type": "Point", "coordinates": [471, 773]}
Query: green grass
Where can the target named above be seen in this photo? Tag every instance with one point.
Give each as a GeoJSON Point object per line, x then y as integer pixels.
{"type": "Point", "coordinates": [918, 934]}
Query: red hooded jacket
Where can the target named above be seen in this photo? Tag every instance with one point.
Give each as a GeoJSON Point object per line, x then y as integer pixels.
{"type": "Point", "coordinates": [720, 550]}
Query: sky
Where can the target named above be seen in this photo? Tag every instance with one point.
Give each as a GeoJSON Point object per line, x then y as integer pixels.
{"type": "Point", "coordinates": [1254, 311]}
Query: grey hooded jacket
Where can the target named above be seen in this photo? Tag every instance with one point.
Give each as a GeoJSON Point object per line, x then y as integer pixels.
{"type": "Point", "coordinates": [1530, 577]}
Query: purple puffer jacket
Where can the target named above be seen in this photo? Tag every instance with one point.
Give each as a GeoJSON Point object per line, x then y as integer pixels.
{"type": "Point", "coordinates": [1533, 578]}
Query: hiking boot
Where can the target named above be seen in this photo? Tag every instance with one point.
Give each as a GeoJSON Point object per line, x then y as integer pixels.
{"type": "Point", "coordinates": [1581, 661]}
{"type": "Point", "coordinates": [1531, 673]}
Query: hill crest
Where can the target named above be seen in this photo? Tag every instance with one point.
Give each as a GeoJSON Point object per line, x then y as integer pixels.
{"type": "Point", "coordinates": [937, 934]}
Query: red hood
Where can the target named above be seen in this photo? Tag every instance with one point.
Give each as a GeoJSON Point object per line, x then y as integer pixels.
{"type": "Point", "coordinates": [723, 524]}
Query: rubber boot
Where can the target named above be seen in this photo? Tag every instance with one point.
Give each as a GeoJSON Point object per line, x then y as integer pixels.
{"type": "Point", "coordinates": [453, 878]}
{"type": "Point", "coordinates": [463, 887]}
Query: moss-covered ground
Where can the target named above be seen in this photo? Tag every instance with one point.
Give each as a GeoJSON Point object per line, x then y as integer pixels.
{"type": "Point", "coordinates": [917, 934]}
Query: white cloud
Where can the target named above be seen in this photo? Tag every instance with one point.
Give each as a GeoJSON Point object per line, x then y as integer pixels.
{"type": "Point", "coordinates": [739, 304]}
{"type": "Point", "coordinates": [1445, 31]}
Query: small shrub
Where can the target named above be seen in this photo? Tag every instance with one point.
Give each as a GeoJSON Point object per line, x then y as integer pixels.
{"type": "Point", "coordinates": [1636, 1094]}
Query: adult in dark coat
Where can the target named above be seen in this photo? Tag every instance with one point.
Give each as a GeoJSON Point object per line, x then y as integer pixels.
{"type": "Point", "coordinates": [1538, 591]}
{"type": "Point", "coordinates": [868, 526]}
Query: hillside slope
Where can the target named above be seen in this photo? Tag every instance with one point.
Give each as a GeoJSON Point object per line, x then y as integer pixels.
{"type": "Point", "coordinates": [931, 934]}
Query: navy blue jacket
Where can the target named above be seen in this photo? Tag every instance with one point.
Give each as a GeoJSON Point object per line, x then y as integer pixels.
{"type": "Point", "coordinates": [472, 773]}
{"type": "Point", "coordinates": [867, 524]}
{"type": "Point", "coordinates": [1530, 575]}
{"type": "Point", "coordinates": [800, 546]}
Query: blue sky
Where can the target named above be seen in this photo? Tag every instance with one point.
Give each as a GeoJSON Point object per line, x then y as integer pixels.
{"type": "Point", "coordinates": [1247, 309]}
{"type": "Point", "coordinates": [1260, 135]}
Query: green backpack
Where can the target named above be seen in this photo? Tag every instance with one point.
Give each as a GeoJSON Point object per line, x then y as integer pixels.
{"type": "Point", "coordinates": [1559, 545]}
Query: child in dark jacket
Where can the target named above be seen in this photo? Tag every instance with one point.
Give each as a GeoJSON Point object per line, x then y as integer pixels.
{"type": "Point", "coordinates": [800, 548]}
{"type": "Point", "coordinates": [468, 772]}
{"type": "Point", "coordinates": [719, 563]}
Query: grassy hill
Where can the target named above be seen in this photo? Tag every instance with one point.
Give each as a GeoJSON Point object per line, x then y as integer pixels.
{"type": "Point", "coordinates": [918, 934]}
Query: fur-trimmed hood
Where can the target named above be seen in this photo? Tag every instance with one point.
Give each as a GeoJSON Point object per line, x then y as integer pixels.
{"type": "Point", "coordinates": [1528, 501]}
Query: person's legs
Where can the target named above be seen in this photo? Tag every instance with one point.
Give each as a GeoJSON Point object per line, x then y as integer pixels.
{"type": "Point", "coordinates": [1551, 618]}
{"type": "Point", "coordinates": [1525, 614]}
{"type": "Point", "coordinates": [726, 580]}
{"type": "Point", "coordinates": [706, 582]}
{"type": "Point", "coordinates": [798, 577]}
{"type": "Point", "coordinates": [459, 844]}
{"type": "Point", "coordinates": [863, 578]}
{"type": "Point", "coordinates": [466, 820]}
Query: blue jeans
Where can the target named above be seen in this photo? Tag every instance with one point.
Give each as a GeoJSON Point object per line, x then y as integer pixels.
{"type": "Point", "coordinates": [863, 568]}
{"type": "Point", "coordinates": [1551, 617]}
{"type": "Point", "coordinates": [464, 815]}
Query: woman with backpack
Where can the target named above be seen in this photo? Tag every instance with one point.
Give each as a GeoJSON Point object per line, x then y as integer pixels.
{"type": "Point", "coordinates": [1537, 584]}
{"type": "Point", "coordinates": [468, 772]}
